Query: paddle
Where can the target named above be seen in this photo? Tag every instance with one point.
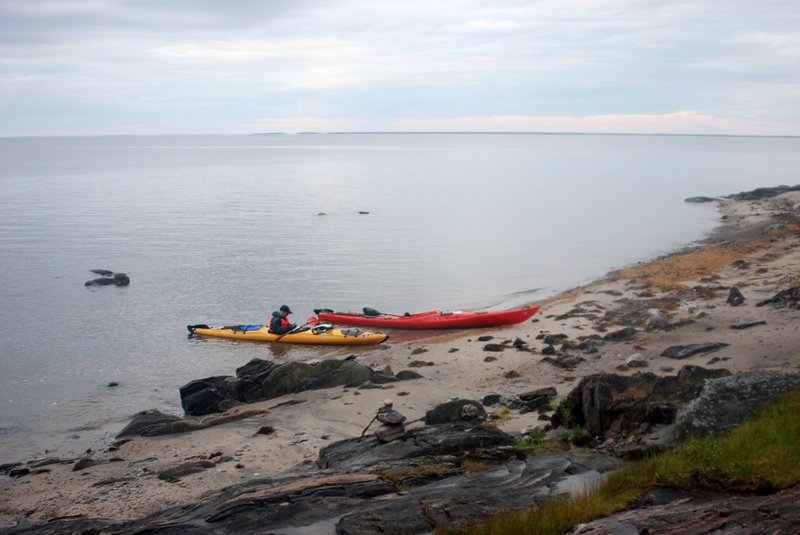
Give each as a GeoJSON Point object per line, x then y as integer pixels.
{"type": "Point", "coordinates": [311, 321]}
{"type": "Point", "coordinates": [374, 314]}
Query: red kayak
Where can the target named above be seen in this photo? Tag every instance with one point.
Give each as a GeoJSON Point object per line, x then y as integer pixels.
{"type": "Point", "coordinates": [429, 320]}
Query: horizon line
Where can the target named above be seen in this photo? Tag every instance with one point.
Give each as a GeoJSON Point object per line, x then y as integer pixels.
{"type": "Point", "coordinates": [413, 132]}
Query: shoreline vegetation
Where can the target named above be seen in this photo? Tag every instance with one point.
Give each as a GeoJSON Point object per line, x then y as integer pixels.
{"type": "Point", "coordinates": [759, 457]}
{"type": "Point", "coordinates": [668, 387]}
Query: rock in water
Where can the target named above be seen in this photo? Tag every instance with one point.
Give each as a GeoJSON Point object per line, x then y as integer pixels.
{"type": "Point", "coordinates": [700, 199]}
{"type": "Point", "coordinates": [109, 278]}
{"type": "Point", "coordinates": [735, 297]}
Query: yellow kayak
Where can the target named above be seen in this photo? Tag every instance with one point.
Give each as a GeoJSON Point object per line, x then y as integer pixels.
{"type": "Point", "coordinates": [318, 335]}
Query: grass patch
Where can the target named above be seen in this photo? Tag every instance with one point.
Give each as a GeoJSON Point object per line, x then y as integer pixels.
{"type": "Point", "coordinates": [760, 455]}
{"type": "Point", "coordinates": [503, 414]}
{"type": "Point", "coordinates": [529, 441]}
{"type": "Point", "coordinates": [472, 467]}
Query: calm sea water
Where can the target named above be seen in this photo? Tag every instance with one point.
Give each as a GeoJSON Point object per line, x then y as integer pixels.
{"type": "Point", "coordinates": [224, 229]}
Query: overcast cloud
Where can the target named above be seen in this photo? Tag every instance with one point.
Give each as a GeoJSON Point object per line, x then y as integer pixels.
{"type": "Point", "coordinates": [204, 66]}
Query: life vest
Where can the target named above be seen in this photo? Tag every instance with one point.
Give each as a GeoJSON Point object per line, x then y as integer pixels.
{"type": "Point", "coordinates": [284, 322]}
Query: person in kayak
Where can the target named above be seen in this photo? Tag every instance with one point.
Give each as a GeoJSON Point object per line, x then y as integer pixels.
{"type": "Point", "coordinates": [279, 324]}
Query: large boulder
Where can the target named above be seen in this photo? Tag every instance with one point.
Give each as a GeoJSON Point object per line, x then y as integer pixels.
{"type": "Point", "coordinates": [209, 395]}
{"type": "Point", "coordinates": [608, 402]}
{"type": "Point", "coordinates": [457, 410]}
{"type": "Point", "coordinates": [259, 380]}
{"type": "Point", "coordinates": [249, 387]}
{"type": "Point", "coordinates": [298, 376]}
{"type": "Point", "coordinates": [724, 403]}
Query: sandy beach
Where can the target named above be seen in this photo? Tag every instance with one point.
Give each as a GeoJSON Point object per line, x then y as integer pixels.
{"type": "Point", "coordinates": [756, 249]}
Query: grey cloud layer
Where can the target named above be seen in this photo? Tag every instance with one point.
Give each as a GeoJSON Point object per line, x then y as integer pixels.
{"type": "Point", "coordinates": [196, 62]}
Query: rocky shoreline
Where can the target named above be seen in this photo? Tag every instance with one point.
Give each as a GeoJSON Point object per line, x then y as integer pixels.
{"type": "Point", "coordinates": [478, 422]}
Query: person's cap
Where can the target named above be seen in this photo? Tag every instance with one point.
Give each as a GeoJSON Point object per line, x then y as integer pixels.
{"type": "Point", "coordinates": [285, 308]}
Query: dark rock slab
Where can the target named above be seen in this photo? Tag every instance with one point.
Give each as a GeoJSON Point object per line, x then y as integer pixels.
{"type": "Point", "coordinates": [788, 298]}
{"type": "Point", "coordinates": [747, 323]}
{"type": "Point", "coordinates": [407, 375]}
{"type": "Point", "coordinates": [622, 334]}
{"type": "Point", "coordinates": [175, 474]}
{"type": "Point", "coordinates": [447, 439]}
{"type": "Point", "coordinates": [250, 377]}
{"type": "Point", "coordinates": [358, 503]}
{"type": "Point", "coordinates": [519, 344]}
{"type": "Point", "coordinates": [549, 392]}
{"type": "Point", "coordinates": [554, 339]}
{"type": "Point", "coordinates": [549, 350]}
{"type": "Point", "coordinates": [19, 471]}
{"type": "Point", "coordinates": [684, 352]}
{"type": "Point", "coordinates": [467, 499]}
{"type": "Point", "coordinates": [83, 464]}
{"type": "Point", "coordinates": [149, 423]}
{"type": "Point", "coordinates": [116, 279]}
{"type": "Point", "coordinates": [706, 515]}
{"type": "Point", "coordinates": [537, 399]}
{"type": "Point", "coordinates": [259, 380]}
{"type": "Point", "coordinates": [209, 395]}
{"type": "Point", "coordinates": [295, 377]}
{"type": "Point", "coordinates": [568, 362]}
{"type": "Point", "coordinates": [457, 410]}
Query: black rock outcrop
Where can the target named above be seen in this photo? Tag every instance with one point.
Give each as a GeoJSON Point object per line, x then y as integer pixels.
{"type": "Point", "coordinates": [608, 402]}
{"type": "Point", "coordinates": [259, 380]}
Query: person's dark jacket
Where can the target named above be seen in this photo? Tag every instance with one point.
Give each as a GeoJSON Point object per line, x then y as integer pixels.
{"type": "Point", "coordinates": [280, 325]}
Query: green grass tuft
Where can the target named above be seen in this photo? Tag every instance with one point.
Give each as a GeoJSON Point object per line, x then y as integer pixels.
{"type": "Point", "coordinates": [760, 455]}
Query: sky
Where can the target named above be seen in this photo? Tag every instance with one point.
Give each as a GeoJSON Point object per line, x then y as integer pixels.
{"type": "Point", "coordinates": [94, 67]}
